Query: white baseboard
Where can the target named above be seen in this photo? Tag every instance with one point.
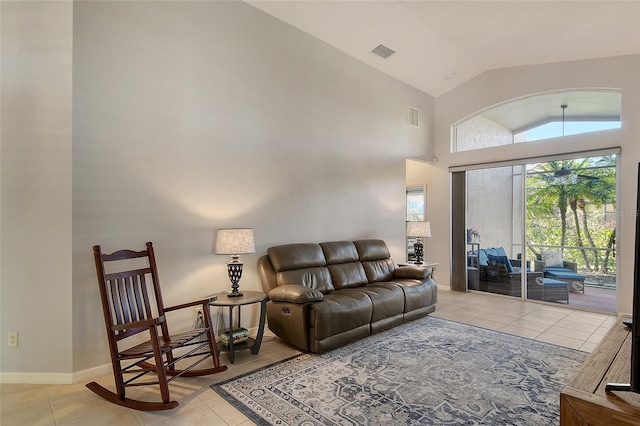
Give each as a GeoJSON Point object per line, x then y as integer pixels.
{"type": "Point", "coordinates": [55, 378]}
{"type": "Point", "coordinates": [68, 378]}
{"type": "Point", "coordinates": [91, 373]}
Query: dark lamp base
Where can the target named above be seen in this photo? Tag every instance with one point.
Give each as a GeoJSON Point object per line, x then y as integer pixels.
{"type": "Point", "coordinates": [235, 272]}
{"type": "Point", "coordinates": [418, 249]}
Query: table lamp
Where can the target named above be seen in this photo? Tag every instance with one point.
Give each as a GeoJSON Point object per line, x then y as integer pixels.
{"type": "Point", "coordinates": [418, 230]}
{"type": "Point", "coordinates": [235, 241]}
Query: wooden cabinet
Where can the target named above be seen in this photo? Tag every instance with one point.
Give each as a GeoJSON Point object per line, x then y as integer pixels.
{"type": "Point", "coordinates": [584, 400]}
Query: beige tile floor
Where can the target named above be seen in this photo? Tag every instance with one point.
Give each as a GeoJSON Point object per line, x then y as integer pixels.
{"type": "Point", "coordinates": [40, 405]}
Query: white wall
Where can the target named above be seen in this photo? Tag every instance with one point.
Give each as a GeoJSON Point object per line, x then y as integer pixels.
{"type": "Point", "coordinates": [480, 132]}
{"type": "Point", "coordinates": [489, 192]}
{"type": "Point", "coordinates": [501, 85]}
{"type": "Point", "coordinates": [490, 206]}
{"type": "Point", "coordinates": [35, 272]}
{"type": "Point", "coordinates": [187, 117]}
{"type": "Point", "coordinates": [190, 116]}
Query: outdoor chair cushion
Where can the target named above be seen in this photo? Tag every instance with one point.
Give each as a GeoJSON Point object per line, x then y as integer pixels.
{"type": "Point", "coordinates": [501, 259]}
{"type": "Point", "coordinates": [551, 283]}
{"type": "Point", "coordinates": [552, 259]}
{"type": "Point", "coordinates": [565, 273]}
{"type": "Point", "coordinates": [484, 254]}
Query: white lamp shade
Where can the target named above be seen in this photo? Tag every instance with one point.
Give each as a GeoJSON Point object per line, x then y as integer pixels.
{"type": "Point", "coordinates": [235, 241]}
{"type": "Point", "coordinates": [419, 229]}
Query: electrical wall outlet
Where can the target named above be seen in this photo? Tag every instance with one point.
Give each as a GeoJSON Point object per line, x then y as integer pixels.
{"type": "Point", "coordinates": [13, 339]}
{"type": "Point", "coordinates": [199, 313]}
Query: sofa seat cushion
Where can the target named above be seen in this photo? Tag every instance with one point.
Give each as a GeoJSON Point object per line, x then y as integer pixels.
{"type": "Point", "coordinates": [340, 311]}
{"type": "Point", "coordinates": [417, 293]}
{"type": "Point", "coordinates": [387, 300]}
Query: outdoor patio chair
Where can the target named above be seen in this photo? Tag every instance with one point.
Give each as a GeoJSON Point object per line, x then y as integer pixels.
{"type": "Point", "coordinates": [495, 278]}
{"type": "Point", "coordinates": [568, 272]}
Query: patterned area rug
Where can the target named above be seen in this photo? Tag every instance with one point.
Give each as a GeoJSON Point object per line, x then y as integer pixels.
{"type": "Point", "coordinates": [427, 372]}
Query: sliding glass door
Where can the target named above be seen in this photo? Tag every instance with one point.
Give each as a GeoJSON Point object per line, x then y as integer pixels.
{"type": "Point", "coordinates": [544, 231]}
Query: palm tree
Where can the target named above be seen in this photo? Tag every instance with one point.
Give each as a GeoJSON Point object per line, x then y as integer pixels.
{"type": "Point", "coordinates": [545, 193]}
{"type": "Point", "coordinates": [596, 187]}
{"type": "Point", "coordinates": [558, 185]}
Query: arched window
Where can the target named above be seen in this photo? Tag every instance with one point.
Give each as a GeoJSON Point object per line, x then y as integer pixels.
{"type": "Point", "coordinates": [537, 117]}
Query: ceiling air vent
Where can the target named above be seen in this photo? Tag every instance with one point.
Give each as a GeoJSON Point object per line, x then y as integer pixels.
{"type": "Point", "coordinates": [383, 51]}
{"type": "Point", "coordinates": [413, 117]}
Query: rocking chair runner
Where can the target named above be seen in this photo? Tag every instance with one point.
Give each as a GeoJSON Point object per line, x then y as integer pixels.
{"type": "Point", "coordinates": [129, 309]}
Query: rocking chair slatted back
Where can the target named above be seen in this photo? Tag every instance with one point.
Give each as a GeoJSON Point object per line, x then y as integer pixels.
{"type": "Point", "coordinates": [129, 299]}
{"type": "Point", "coordinates": [127, 292]}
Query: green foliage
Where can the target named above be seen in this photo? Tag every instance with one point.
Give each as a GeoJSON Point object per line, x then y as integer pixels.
{"type": "Point", "coordinates": [567, 205]}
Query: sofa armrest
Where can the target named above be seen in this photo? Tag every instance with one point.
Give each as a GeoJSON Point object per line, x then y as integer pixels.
{"type": "Point", "coordinates": [539, 266]}
{"type": "Point", "coordinates": [295, 293]}
{"type": "Point", "coordinates": [411, 272]}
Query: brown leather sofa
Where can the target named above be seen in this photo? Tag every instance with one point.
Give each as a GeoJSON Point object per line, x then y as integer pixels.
{"type": "Point", "coordinates": [325, 295]}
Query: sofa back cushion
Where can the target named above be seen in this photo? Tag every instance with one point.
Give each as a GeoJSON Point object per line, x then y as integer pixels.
{"type": "Point", "coordinates": [372, 250]}
{"type": "Point", "coordinates": [376, 260]}
{"type": "Point", "coordinates": [301, 264]}
{"type": "Point", "coordinates": [343, 264]}
{"type": "Point", "coordinates": [339, 252]}
{"type": "Point", "coordinates": [296, 256]}
{"type": "Point", "coordinates": [317, 278]}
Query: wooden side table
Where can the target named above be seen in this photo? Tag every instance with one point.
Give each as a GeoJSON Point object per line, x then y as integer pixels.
{"type": "Point", "coordinates": [248, 298]}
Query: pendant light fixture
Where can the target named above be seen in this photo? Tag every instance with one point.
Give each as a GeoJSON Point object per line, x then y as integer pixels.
{"type": "Point", "coordinates": [564, 107]}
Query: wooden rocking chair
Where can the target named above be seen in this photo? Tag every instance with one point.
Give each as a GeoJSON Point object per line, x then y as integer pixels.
{"type": "Point", "coordinates": [131, 307]}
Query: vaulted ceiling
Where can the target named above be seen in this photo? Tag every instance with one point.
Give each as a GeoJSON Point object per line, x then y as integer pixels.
{"type": "Point", "coordinates": [441, 44]}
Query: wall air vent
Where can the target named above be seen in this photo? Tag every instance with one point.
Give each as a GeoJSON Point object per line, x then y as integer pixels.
{"type": "Point", "coordinates": [413, 117]}
{"type": "Point", "coordinates": [383, 51]}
